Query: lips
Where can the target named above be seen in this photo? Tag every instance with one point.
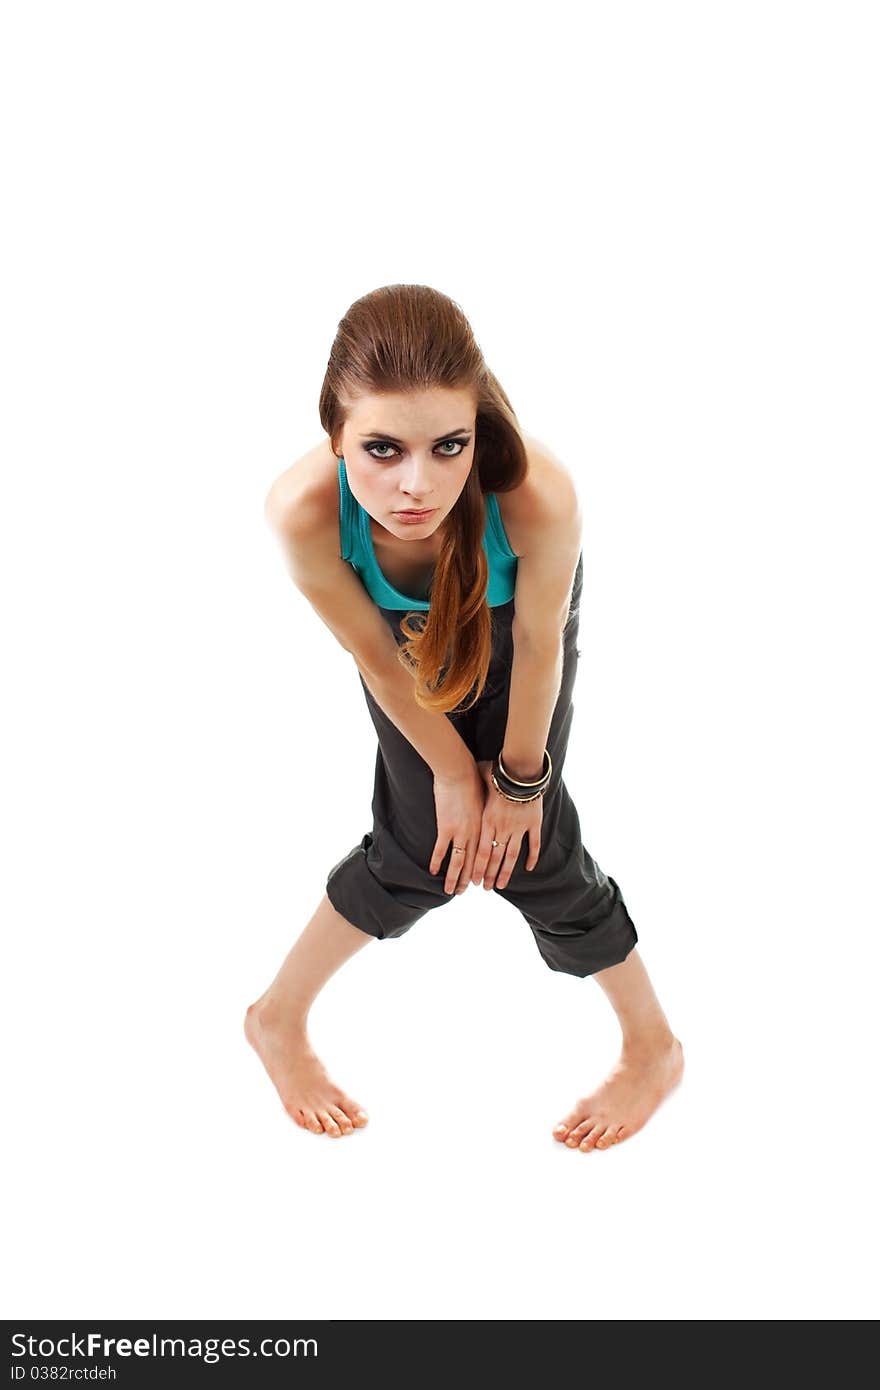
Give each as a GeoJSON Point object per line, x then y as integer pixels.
{"type": "Point", "coordinates": [426, 511]}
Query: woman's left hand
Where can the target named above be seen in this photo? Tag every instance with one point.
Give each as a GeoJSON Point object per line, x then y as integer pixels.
{"type": "Point", "coordinates": [507, 822]}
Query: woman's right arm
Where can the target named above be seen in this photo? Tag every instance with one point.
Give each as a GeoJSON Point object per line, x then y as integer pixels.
{"type": "Point", "coordinates": [309, 540]}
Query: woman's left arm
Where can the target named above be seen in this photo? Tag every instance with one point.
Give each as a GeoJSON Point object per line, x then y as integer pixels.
{"type": "Point", "coordinates": [534, 689]}
{"type": "Point", "coordinates": [545, 574]}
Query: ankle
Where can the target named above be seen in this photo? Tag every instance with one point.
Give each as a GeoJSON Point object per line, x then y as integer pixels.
{"type": "Point", "coordinates": [645, 1043]}
{"type": "Point", "coordinates": [277, 1013]}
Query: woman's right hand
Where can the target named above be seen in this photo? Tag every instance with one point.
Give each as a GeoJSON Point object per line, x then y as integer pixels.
{"type": "Point", "coordinates": [459, 802]}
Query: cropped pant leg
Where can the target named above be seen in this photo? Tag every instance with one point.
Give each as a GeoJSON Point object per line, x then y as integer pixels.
{"type": "Point", "coordinates": [576, 912]}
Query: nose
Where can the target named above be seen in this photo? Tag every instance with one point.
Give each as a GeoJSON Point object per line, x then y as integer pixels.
{"type": "Point", "coordinates": [416, 485]}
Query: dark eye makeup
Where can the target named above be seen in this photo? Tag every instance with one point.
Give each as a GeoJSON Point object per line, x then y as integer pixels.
{"type": "Point", "coordinates": [384, 444]}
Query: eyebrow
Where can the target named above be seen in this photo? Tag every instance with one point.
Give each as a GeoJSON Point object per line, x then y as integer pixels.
{"type": "Point", "coordinates": [378, 434]}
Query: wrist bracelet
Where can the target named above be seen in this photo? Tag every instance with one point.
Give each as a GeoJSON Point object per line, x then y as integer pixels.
{"type": "Point", "coordinates": [512, 788]}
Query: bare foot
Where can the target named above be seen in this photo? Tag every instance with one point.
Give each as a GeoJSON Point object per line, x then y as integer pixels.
{"type": "Point", "coordinates": [309, 1096]}
{"type": "Point", "coordinates": [626, 1100]}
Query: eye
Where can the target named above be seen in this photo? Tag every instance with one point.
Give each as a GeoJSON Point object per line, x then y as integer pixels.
{"type": "Point", "coordinates": [458, 445]}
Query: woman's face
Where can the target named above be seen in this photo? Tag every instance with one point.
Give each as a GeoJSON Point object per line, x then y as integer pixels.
{"type": "Point", "coordinates": [409, 451]}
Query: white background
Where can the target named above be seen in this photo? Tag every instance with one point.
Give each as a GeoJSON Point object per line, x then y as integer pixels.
{"type": "Point", "coordinates": [662, 223]}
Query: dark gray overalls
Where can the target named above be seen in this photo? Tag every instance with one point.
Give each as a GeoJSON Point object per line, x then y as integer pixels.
{"type": "Point", "coordinates": [576, 912]}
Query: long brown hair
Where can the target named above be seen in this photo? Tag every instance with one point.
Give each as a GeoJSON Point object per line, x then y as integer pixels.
{"type": "Point", "coordinates": [411, 337]}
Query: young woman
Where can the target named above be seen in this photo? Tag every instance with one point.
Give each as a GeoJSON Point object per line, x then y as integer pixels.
{"type": "Point", "coordinates": [442, 549]}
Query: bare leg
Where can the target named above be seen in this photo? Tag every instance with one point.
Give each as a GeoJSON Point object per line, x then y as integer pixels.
{"type": "Point", "coordinates": [275, 1025]}
{"type": "Point", "coordinates": [651, 1064]}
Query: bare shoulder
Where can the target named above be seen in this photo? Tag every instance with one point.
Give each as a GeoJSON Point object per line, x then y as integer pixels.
{"type": "Point", "coordinates": [546, 499]}
{"type": "Point", "coordinates": [305, 497]}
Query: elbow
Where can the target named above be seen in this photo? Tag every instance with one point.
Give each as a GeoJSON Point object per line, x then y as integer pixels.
{"type": "Point", "coordinates": [381, 670]}
{"type": "Point", "coordinates": [545, 640]}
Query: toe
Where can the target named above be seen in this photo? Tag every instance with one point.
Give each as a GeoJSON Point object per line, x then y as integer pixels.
{"type": "Point", "coordinates": [589, 1142]}
{"type": "Point", "coordinates": [560, 1132]}
{"type": "Point", "coordinates": [580, 1131]}
{"type": "Point", "coordinates": [608, 1138]}
{"type": "Point", "coordinates": [311, 1122]}
{"type": "Point", "coordinates": [573, 1117]}
{"type": "Point", "coordinates": [341, 1119]}
{"type": "Point", "coordinates": [329, 1124]}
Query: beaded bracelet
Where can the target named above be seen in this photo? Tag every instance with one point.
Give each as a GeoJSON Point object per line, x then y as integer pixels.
{"type": "Point", "coordinates": [511, 788]}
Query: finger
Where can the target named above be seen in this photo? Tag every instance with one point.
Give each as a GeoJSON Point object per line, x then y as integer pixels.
{"type": "Point", "coordinates": [534, 850]}
{"type": "Point", "coordinates": [439, 854]}
{"type": "Point", "coordinates": [468, 867]}
{"type": "Point", "coordinates": [483, 855]}
{"type": "Point", "coordinates": [507, 868]}
{"type": "Point", "coordinates": [493, 866]}
{"type": "Point", "coordinates": [456, 863]}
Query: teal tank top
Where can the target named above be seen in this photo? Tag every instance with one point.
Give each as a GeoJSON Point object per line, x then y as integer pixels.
{"type": "Point", "coordinates": [356, 544]}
